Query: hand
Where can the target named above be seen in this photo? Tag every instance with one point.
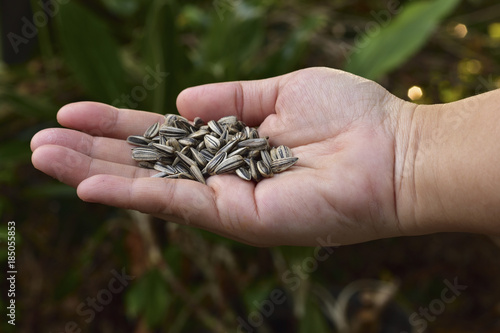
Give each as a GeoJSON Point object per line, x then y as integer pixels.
{"type": "Point", "coordinates": [342, 189]}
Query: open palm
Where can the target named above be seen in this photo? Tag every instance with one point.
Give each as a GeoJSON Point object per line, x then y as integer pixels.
{"type": "Point", "coordinates": [341, 190]}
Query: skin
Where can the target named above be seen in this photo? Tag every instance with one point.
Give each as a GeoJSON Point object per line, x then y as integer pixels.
{"type": "Point", "coordinates": [370, 165]}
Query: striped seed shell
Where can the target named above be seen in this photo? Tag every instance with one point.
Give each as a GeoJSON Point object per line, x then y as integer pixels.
{"type": "Point", "coordinates": [213, 163]}
{"type": "Point", "coordinates": [243, 173]}
{"type": "Point", "coordinates": [198, 122]}
{"type": "Point", "coordinates": [253, 134]}
{"type": "Point", "coordinates": [228, 147]}
{"type": "Point", "coordinates": [173, 132]}
{"type": "Point", "coordinates": [160, 175]}
{"type": "Point", "coordinates": [198, 157]}
{"type": "Point", "coordinates": [144, 154]}
{"type": "Point", "coordinates": [240, 151]}
{"type": "Point", "coordinates": [164, 148]}
{"type": "Point", "coordinates": [264, 169]}
{"type": "Point", "coordinates": [196, 173]}
{"type": "Point", "coordinates": [256, 144]}
{"type": "Point", "coordinates": [228, 120]}
{"type": "Point", "coordinates": [266, 157]}
{"type": "Point", "coordinates": [190, 142]}
{"type": "Point", "coordinates": [138, 140]}
{"type": "Point", "coordinates": [274, 153]}
{"type": "Point", "coordinates": [152, 131]}
{"type": "Point", "coordinates": [158, 166]}
{"type": "Point", "coordinates": [212, 143]}
{"type": "Point", "coordinates": [229, 164]}
{"type": "Point", "coordinates": [254, 172]}
{"type": "Point", "coordinates": [179, 168]}
{"type": "Point", "coordinates": [146, 164]}
{"type": "Point", "coordinates": [199, 134]}
{"type": "Point", "coordinates": [184, 158]}
{"type": "Point", "coordinates": [172, 142]}
{"type": "Point", "coordinates": [282, 164]}
{"type": "Point", "coordinates": [283, 152]}
{"type": "Point", "coordinates": [206, 154]}
{"type": "Point", "coordinates": [215, 127]}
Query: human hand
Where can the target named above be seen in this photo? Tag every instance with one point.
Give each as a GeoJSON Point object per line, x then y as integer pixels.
{"type": "Point", "coordinates": [342, 189]}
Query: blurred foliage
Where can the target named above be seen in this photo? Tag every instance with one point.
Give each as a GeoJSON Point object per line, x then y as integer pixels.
{"type": "Point", "coordinates": [140, 54]}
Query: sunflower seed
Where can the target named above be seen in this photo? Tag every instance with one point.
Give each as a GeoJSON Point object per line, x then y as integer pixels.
{"type": "Point", "coordinates": [144, 154]}
{"type": "Point", "coordinates": [253, 171]}
{"type": "Point", "coordinates": [258, 144]}
{"type": "Point", "coordinates": [199, 134]}
{"type": "Point", "coordinates": [282, 164]}
{"type": "Point", "coordinates": [160, 175]}
{"type": "Point", "coordinates": [227, 120]}
{"type": "Point", "coordinates": [212, 143]}
{"type": "Point", "coordinates": [152, 131]}
{"type": "Point", "coordinates": [198, 157]}
{"type": "Point", "coordinates": [207, 155]}
{"type": "Point", "coordinates": [229, 164]}
{"type": "Point", "coordinates": [184, 158]}
{"type": "Point", "coordinates": [173, 132]}
{"type": "Point", "coordinates": [190, 142]}
{"type": "Point", "coordinates": [172, 142]}
{"type": "Point", "coordinates": [266, 157]}
{"type": "Point", "coordinates": [210, 167]}
{"type": "Point", "coordinates": [164, 148]}
{"type": "Point", "coordinates": [196, 172]}
{"type": "Point", "coordinates": [215, 127]}
{"type": "Point", "coordinates": [240, 151]}
{"type": "Point", "coordinates": [243, 173]}
{"type": "Point", "coordinates": [138, 140]}
{"type": "Point", "coordinates": [198, 122]}
{"type": "Point", "coordinates": [264, 169]}
{"type": "Point", "coordinates": [283, 152]}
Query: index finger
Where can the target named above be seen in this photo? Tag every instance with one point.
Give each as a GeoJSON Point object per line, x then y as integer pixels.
{"type": "Point", "coordinates": [250, 101]}
{"type": "Point", "coordinates": [105, 120]}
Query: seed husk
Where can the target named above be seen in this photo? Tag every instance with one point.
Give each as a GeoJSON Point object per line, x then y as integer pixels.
{"type": "Point", "coordinates": [243, 173]}
{"type": "Point", "coordinates": [184, 158]}
{"type": "Point", "coordinates": [212, 143]}
{"type": "Point", "coordinates": [256, 144]}
{"type": "Point", "coordinates": [144, 154]}
{"type": "Point", "coordinates": [164, 148]}
{"type": "Point", "coordinates": [254, 171]}
{"type": "Point", "coordinates": [264, 169]}
{"type": "Point", "coordinates": [215, 127]}
{"type": "Point", "coordinates": [190, 142]}
{"type": "Point", "coordinates": [282, 164]}
{"type": "Point", "coordinates": [196, 173]}
{"type": "Point", "coordinates": [138, 140]}
{"type": "Point", "coordinates": [266, 157]}
{"type": "Point", "coordinates": [198, 157]}
{"type": "Point", "coordinates": [210, 167]}
{"type": "Point", "coordinates": [283, 152]}
{"type": "Point", "coordinates": [229, 164]}
{"type": "Point", "coordinates": [152, 131]}
{"type": "Point", "coordinates": [173, 132]}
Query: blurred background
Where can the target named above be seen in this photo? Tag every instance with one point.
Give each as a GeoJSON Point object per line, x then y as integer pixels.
{"type": "Point", "coordinates": [90, 268]}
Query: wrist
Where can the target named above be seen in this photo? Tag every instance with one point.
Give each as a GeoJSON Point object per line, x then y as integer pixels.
{"type": "Point", "coordinates": [446, 172]}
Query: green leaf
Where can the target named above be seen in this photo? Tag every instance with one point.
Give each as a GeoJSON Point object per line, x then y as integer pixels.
{"type": "Point", "coordinates": [313, 320]}
{"type": "Point", "coordinates": [27, 106]}
{"type": "Point", "coordinates": [91, 52]}
{"type": "Point", "coordinates": [377, 55]}
{"type": "Point", "coordinates": [149, 297]}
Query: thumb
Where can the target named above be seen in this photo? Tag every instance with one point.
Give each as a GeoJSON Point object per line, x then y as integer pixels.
{"type": "Point", "coordinates": [250, 101]}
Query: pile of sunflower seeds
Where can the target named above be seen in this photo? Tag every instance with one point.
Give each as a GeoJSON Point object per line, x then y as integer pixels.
{"type": "Point", "coordinates": [194, 150]}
